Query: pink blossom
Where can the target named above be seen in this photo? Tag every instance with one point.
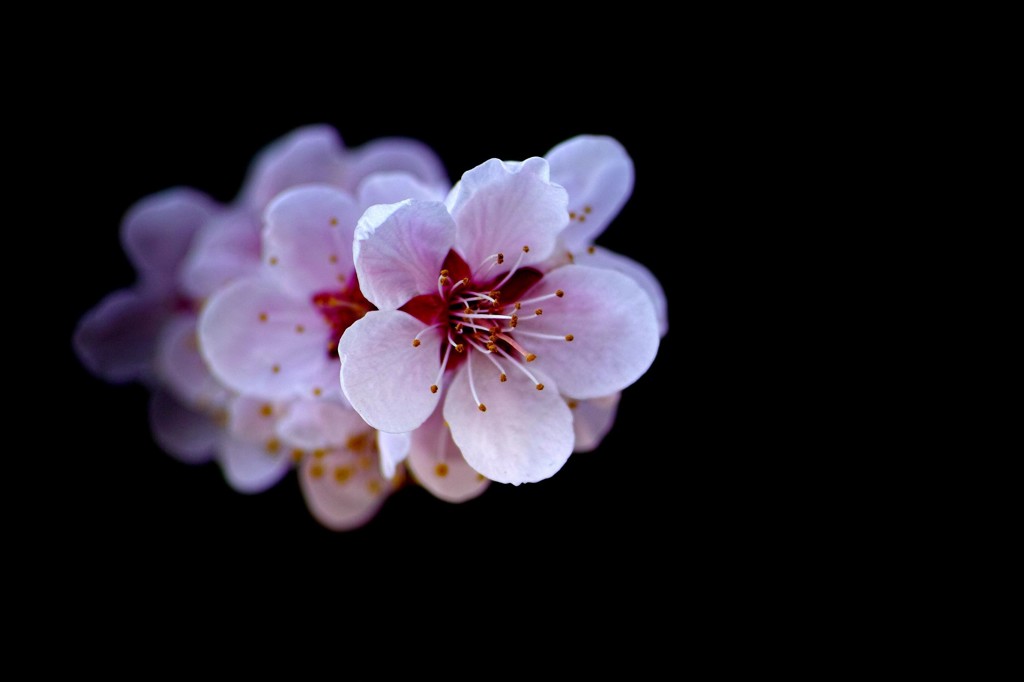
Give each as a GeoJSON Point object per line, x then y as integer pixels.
{"type": "Point", "coordinates": [466, 302]}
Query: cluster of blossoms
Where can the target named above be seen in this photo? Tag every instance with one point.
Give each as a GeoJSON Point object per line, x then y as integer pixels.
{"type": "Point", "coordinates": [478, 333]}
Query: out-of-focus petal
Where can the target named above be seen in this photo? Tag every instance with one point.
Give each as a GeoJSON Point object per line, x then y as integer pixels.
{"type": "Point", "coordinates": [117, 339]}
{"type": "Point", "coordinates": [320, 424]}
{"type": "Point", "coordinates": [592, 420]}
{"type": "Point", "coordinates": [251, 467]}
{"type": "Point", "coordinates": [225, 249]}
{"type": "Point", "coordinates": [391, 188]}
{"type": "Point", "coordinates": [438, 465]}
{"type": "Point", "coordinates": [189, 436]}
{"type": "Point", "coordinates": [260, 341]}
{"type": "Point", "coordinates": [182, 369]}
{"type": "Point", "coordinates": [307, 239]}
{"type": "Point", "coordinates": [311, 154]}
{"type": "Point", "coordinates": [394, 154]}
{"type": "Point", "coordinates": [340, 492]}
{"type": "Point", "coordinates": [157, 230]}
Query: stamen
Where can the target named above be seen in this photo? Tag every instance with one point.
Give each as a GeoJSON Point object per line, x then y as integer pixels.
{"type": "Point", "coordinates": [488, 263]}
{"type": "Point", "coordinates": [440, 372]}
{"type": "Point", "coordinates": [545, 297]}
{"type": "Point", "coordinates": [551, 337]}
{"type": "Point", "coordinates": [522, 368]}
{"type": "Point", "coordinates": [472, 385]}
{"type": "Point", "coordinates": [530, 357]}
{"type": "Point", "coordinates": [508, 276]}
{"type": "Point", "coordinates": [458, 346]}
{"type": "Point", "coordinates": [488, 354]}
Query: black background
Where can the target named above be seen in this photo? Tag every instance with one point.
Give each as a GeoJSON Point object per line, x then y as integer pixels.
{"type": "Point", "coordinates": [635, 501]}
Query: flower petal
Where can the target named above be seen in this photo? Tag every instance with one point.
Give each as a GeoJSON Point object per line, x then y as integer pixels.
{"type": "Point", "coordinates": [438, 465]}
{"type": "Point", "coordinates": [385, 378]}
{"type": "Point", "coordinates": [597, 173]}
{"type": "Point", "coordinates": [600, 257]}
{"type": "Point", "coordinates": [258, 340]}
{"type": "Point", "coordinates": [306, 155]}
{"type": "Point", "coordinates": [187, 435]}
{"type": "Point", "coordinates": [307, 240]}
{"type": "Point", "coordinates": [320, 424]}
{"type": "Point", "coordinates": [182, 369]}
{"type": "Point", "coordinates": [500, 208]}
{"type": "Point", "coordinates": [157, 230]}
{"type": "Point", "coordinates": [395, 154]}
{"type": "Point", "coordinates": [525, 435]}
{"type": "Point", "coordinates": [225, 249]}
{"type": "Point", "coordinates": [250, 467]}
{"type": "Point", "coordinates": [116, 340]}
{"type": "Point", "coordinates": [611, 320]}
{"type": "Point", "coordinates": [399, 250]}
{"type": "Point", "coordinates": [592, 420]}
{"type": "Point", "coordinates": [341, 493]}
{"type": "Point", "coordinates": [394, 448]}
{"type": "Point", "coordinates": [393, 187]}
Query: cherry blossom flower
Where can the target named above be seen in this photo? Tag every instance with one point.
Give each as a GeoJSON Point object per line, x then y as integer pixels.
{"type": "Point", "coordinates": [462, 304]}
{"type": "Point", "coordinates": [274, 334]}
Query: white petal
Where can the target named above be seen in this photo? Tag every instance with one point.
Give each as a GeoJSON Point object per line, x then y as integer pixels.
{"type": "Point", "coordinates": [525, 435]}
{"type": "Point", "coordinates": [597, 173]}
{"type": "Point", "coordinates": [385, 378]}
{"type": "Point", "coordinates": [399, 250]}
{"type": "Point", "coordinates": [500, 209]}
{"type": "Point", "coordinates": [611, 320]}
{"type": "Point", "coordinates": [599, 257]}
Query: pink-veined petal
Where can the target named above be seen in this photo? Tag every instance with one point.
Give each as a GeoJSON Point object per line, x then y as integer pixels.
{"type": "Point", "coordinates": [499, 208]}
{"type": "Point", "coordinates": [399, 250]}
{"type": "Point", "coordinates": [600, 257]}
{"type": "Point", "coordinates": [392, 188]}
{"type": "Point", "coordinates": [258, 340]}
{"type": "Point", "coordinates": [394, 154]}
{"type": "Point", "coordinates": [597, 173]}
{"type": "Point", "coordinates": [592, 420]}
{"type": "Point", "coordinates": [250, 467]}
{"type": "Point", "coordinates": [438, 465]}
{"type": "Point", "coordinates": [187, 435]}
{"type": "Point", "coordinates": [182, 369]}
{"type": "Point", "coordinates": [311, 154]}
{"type": "Point", "coordinates": [157, 230]}
{"type": "Point", "coordinates": [385, 378]}
{"type": "Point", "coordinates": [320, 424]}
{"type": "Point", "coordinates": [116, 340]}
{"type": "Point", "coordinates": [340, 491]}
{"type": "Point", "coordinates": [225, 249]}
{"type": "Point", "coordinates": [612, 323]}
{"type": "Point", "coordinates": [394, 448]}
{"type": "Point", "coordinates": [307, 239]}
{"type": "Point", "coordinates": [525, 435]}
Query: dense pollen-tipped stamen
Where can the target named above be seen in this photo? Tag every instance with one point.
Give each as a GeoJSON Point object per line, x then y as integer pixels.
{"type": "Point", "coordinates": [489, 355]}
{"type": "Point", "coordinates": [522, 368]}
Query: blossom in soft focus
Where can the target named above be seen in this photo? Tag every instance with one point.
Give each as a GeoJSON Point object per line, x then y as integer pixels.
{"type": "Point", "coordinates": [465, 312]}
{"type": "Point", "coordinates": [185, 247]}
